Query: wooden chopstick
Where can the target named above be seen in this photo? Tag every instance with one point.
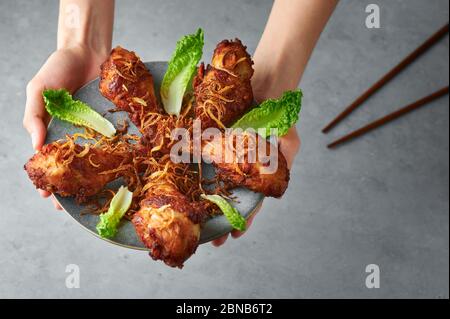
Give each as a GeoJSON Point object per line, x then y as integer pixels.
{"type": "Point", "coordinates": [392, 73]}
{"type": "Point", "coordinates": [390, 117]}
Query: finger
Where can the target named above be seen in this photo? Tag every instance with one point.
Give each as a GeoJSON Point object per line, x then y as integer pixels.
{"type": "Point", "coordinates": [35, 118]}
{"type": "Point", "coordinates": [237, 233]}
{"type": "Point", "coordinates": [37, 131]}
{"type": "Point", "coordinates": [220, 241]}
{"type": "Point", "coordinates": [43, 193]}
{"type": "Point", "coordinates": [56, 204]}
{"type": "Point", "coordinates": [290, 145]}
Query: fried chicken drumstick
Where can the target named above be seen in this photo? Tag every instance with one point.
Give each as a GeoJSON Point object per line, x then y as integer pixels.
{"type": "Point", "coordinates": [168, 222]}
{"type": "Point", "coordinates": [223, 91]}
{"type": "Point", "coordinates": [125, 81]}
{"type": "Point", "coordinates": [68, 169]}
{"type": "Point", "coordinates": [241, 160]}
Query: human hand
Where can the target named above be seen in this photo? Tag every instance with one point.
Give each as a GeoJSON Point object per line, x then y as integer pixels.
{"type": "Point", "coordinates": [289, 146]}
{"type": "Point", "coordinates": [67, 68]}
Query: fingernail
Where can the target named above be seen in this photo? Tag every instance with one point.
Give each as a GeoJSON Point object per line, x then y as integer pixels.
{"type": "Point", "coordinates": [34, 140]}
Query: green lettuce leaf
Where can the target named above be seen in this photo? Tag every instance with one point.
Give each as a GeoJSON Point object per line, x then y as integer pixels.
{"type": "Point", "coordinates": [109, 221]}
{"type": "Point", "coordinates": [233, 216]}
{"type": "Point", "coordinates": [60, 104]}
{"type": "Point", "coordinates": [180, 70]}
{"type": "Point", "coordinates": [280, 114]}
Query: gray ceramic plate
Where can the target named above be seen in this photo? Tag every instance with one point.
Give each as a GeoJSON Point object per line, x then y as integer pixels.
{"type": "Point", "coordinates": [246, 203]}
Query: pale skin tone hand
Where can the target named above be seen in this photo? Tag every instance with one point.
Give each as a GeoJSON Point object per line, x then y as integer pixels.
{"type": "Point", "coordinates": [80, 51]}
{"type": "Point", "coordinates": [293, 28]}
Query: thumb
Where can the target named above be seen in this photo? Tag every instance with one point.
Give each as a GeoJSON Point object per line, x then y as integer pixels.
{"type": "Point", "coordinates": [38, 131]}
{"type": "Point", "coordinates": [35, 116]}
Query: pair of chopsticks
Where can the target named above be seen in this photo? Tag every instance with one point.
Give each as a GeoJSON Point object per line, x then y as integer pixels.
{"type": "Point", "coordinates": [381, 82]}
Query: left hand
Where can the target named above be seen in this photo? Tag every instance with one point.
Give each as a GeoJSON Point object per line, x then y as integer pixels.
{"type": "Point", "coordinates": [68, 68]}
{"type": "Point", "coordinates": [289, 146]}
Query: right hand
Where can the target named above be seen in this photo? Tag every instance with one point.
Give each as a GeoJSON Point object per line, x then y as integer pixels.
{"type": "Point", "coordinates": [68, 68]}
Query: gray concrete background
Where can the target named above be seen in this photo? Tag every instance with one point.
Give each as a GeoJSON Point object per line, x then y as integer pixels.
{"type": "Point", "coordinates": [383, 199]}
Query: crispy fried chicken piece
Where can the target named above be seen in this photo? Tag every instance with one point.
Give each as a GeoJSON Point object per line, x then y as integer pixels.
{"type": "Point", "coordinates": [125, 81]}
{"type": "Point", "coordinates": [223, 92]}
{"type": "Point", "coordinates": [239, 161]}
{"type": "Point", "coordinates": [164, 227]}
{"type": "Point", "coordinates": [168, 223]}
{"type": "Point", "coordinates": [76, 171]}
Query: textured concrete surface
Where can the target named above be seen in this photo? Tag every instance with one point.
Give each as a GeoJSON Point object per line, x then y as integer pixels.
{"type": "Point", "coordinates": [383, 199]}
